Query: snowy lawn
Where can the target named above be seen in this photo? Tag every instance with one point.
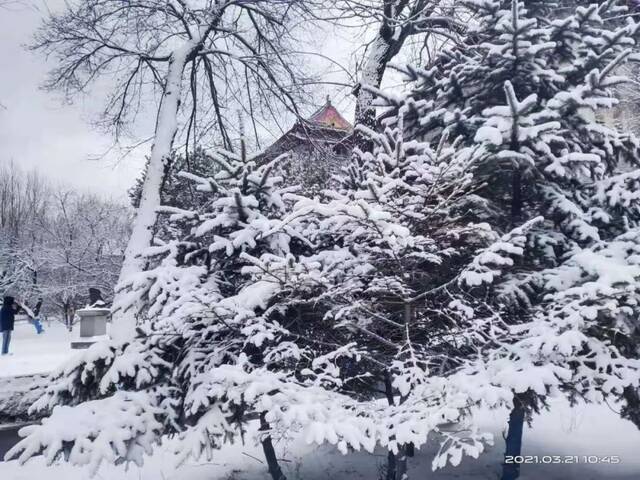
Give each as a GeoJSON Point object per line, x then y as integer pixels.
{"type": "Point", "coordinates": [34, 353]}
{"type": "Point", "coordinates": [584, 430]}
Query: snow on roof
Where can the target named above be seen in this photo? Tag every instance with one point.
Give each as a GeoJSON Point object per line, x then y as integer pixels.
{"type": "Point", "coordinates": [328, 116]}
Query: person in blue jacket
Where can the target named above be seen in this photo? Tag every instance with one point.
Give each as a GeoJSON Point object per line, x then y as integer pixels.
{"type": "Point", "coordinates": [7, 320]}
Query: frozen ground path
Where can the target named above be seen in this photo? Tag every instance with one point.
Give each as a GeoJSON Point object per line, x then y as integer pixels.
{"type": "Point", "coordinates": [32, 353]}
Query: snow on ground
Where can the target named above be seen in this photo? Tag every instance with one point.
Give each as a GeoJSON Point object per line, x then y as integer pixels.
{"type": "Point", "coordinates": [583, 430]}
{"type": "Point", "coordinates": [34, 353]}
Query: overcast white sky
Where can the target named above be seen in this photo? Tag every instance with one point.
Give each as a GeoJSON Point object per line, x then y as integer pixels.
{"type": "Point", "coordinates": [38, 130]}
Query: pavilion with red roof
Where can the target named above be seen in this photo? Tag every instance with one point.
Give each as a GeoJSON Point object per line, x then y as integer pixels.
{"type": "Point", "coordinates": [318, 146]}
{"type": "Point", "coordinates": [328, 117]}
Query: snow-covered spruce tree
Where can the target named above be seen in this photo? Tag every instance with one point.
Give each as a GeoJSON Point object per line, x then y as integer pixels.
{"type": "Point", "coordinates": [523, 96]}
{"type": "Point", "coordinates": [203, 357]}
{"type": "Point", "coordinates": [236, 329]}
{"type": "Point", "coordinates": [395, 269]}
{"type": "Point", "coordinates": [178, 191]}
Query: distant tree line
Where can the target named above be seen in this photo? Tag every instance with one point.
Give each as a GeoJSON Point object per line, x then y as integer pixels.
{"type": "Point", "coordinates": [56, 242]}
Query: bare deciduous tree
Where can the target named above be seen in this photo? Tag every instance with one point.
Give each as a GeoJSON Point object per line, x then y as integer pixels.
{"type": "Point", "coordinates": [428, 22]}
{"type": "Point", "coordinates": [233, 52]}
{"type": "Point", "coordinates": [84, 239]}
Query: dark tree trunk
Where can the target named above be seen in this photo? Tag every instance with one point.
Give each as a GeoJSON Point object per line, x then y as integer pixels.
{"type": "Point", "coordinates": [270, 452]}
{"type": "Point", "coordinates": [391, 466]}
{"type": "Point", "coordinates": [384, 48]}
{"type": "Point", "coordinates": [631, 410]}
{"type": "Point", "coordinates": [401, 464]}
{"type": "Point", "coordinates": [396, 462]}
{"type": "Point", "coordinates": [360, 140]}
{"type": "Point", "coordinates": [516, 199]}
{"type": "Point", "coordinates": [365, 114]}
{"type": "Point", "coordinates": [511, 471]}
{"type": "Point", "coordinates": [391, 457]}
{"type": "Point", "coordinates": [411, 450]}
{"type": "Point", "coordinates": [68, 320]}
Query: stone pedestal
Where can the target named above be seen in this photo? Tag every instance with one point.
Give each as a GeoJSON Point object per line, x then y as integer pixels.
{"type": "Point", "coordinates": [93, 326]}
